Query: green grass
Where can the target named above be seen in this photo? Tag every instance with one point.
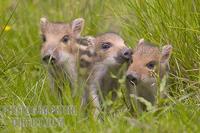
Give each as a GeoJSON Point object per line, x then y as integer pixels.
{"type": "Point", "coordinates": [24, 81]}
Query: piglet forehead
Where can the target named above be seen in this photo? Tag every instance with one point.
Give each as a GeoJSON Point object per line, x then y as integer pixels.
{"type": "Point", "coordinates": [56, 28]}
{"type": "Point", "coordinates": [111, 38]}
{"type": "Point", "coordinates": [147, 49]}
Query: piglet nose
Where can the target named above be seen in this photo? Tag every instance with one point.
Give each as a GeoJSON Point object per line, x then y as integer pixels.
{"type": "Point", "coordinates": [49, 59]}
{"type": "Point", "coordinates": [126, 53]}
{"type": "Point", "coordinates": [133, 78]}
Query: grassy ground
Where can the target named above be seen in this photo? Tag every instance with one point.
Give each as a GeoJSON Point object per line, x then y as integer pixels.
{"type": "Point", "coordinates": [23, 79]}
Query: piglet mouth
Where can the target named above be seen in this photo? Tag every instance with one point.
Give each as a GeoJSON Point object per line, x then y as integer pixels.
{"type": "Point", "coordinates": [120, 59]}
{"type": "Point", "coordinates": [146, 83]}
{"type": "Point", "coordinates": [132, 80]}
{"type": "Point", "coordinates": [48, 59]}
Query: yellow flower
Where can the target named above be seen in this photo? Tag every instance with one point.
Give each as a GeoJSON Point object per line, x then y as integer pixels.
{"type": "Point", "coordinates": [7, 28]}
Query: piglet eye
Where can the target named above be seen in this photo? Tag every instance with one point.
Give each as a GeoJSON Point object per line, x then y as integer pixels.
{"type": "Point", "coordinates": [151, 65]}
{"type": "Point", "coordinates": [106, 46]}
{"type": "Point", "coordinates": [43, 38]}
{"type": "Point", "coordinates": [65, 39]}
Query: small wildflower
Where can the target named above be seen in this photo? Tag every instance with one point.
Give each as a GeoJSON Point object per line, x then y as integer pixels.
{"type": "Point", "coordinates": [7, 28]}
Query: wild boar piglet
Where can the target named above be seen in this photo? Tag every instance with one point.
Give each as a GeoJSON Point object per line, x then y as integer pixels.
{"type": "Point", "coordinates": [60, 52]}
{"type": "Point", "coordinates": [148, 65]}
{"type": "Point", "coordinates": [109, 53]}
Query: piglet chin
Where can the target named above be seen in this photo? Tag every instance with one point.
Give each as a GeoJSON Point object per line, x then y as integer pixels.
{"type": "Point", "coordinates": [145, 83]}
{"type": "Point", "coordinates": [110, 62]}
{"type": "Point", "coordinates": [120, 60]}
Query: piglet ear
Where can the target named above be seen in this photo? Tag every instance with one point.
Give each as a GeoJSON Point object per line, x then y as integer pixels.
{"type": "Point", "coordinates": [86, 40]}
{"type": "Point", "coordinates": [43, 23]}
{"type": "Point", "coordinates": [166, 53]}
{"type": "Point", "coordinates": [77, 26]}
{"type": "Point", "coordinates": [140, 42]}
{"type": "Point", "coordinates": [87, 43]}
